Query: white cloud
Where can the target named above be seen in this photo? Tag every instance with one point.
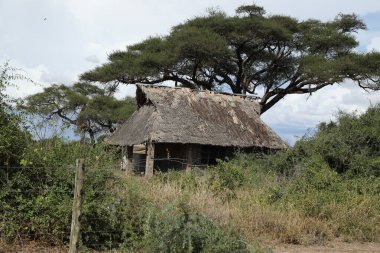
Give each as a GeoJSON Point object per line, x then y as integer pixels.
{"type": "Point", "coordinates": [126, 90]}
{"type": "Point", "coordinates": [302, 112]}
{"type": "Point", "coordinates": [25, 87]}
{"type": "Point", "coordinates": [374, 44]}
{"type": "Point", "coordinates": [319, 9]}
{"type": "Point", "coordinates": [93, 59]}
{"type": "Point", "coordinates": [64, 77]}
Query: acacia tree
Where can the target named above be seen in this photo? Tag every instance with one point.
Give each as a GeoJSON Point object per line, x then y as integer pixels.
{"type": "Point", "coordinates": [87, 107]}
{"type": "Point", "coordinates": [267, 55]}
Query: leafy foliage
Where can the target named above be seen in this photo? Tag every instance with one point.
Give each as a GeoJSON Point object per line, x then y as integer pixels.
{"type": "Point", "coordinates": [351, 145]}
{"type": "Point", "coordinates": [36, 199]}
{"type": "Point", "coordinates": [226, 180]}
{"type": "Point", "coordinates": [250, 52]}
{"type": "Point", "coordinates": [13, 139]}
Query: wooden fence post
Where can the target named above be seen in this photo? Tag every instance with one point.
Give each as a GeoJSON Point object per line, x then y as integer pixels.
{"type": "Point", "coordinates": [77, 206]}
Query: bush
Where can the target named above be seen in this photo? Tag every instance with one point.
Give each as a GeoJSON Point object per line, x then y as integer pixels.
{"type": "Point", "coordinates": [226, 178]}
{"type": "Point", "coordinates": [36, 200]}
{"type": "Point", "coordinates": [350, 145]}
{"type": "Point", "coordinates": [13, 140]}
{"type": "Point", "coordinates": [36, 203]}
{"type": "Point", "coordinates": [176, 229]}
{"type": "Point", "coordinates": [348, 206]}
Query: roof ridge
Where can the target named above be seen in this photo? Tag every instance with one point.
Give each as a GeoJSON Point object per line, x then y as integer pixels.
{"type": "Point", "coordinates": [156, 86]}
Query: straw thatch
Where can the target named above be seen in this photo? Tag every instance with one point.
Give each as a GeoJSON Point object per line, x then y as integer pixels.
{"type": "Point", "coordinates": [171, 115]}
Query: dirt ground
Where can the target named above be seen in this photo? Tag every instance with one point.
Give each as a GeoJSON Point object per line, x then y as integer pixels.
{"type": "Point", "coordinates": [30, 247]}
{"type": "Point", "coordinates": [332, 247]}
{"type": "Point", "coordinates": [336, 246]}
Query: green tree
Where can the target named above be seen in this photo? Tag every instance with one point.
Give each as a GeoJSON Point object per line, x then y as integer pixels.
{"type": "Point", "coordinates": [267, 55]}
{"type": "Point", "coordinates": [87, 107]}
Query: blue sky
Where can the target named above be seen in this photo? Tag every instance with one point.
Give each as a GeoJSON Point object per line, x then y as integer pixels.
{"type": "Point", "coordinates": [54, 41]}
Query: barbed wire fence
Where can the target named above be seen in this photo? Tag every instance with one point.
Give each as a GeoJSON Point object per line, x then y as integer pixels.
{"type": "Point", "coordinates": [30, 233]}
{"type": "Point", "coordinates": [171, 163]}
{"type": "Point", "coordinates": [20, 188]}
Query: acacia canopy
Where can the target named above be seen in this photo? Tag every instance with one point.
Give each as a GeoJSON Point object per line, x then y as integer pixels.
{"type": "Point", "coordinates": [87, 107]}
{"type": "Point", "coordinates": [267, 55]}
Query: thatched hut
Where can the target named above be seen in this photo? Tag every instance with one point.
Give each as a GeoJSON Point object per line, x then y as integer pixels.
{"type": "Point", "coordinates": [180, 127]}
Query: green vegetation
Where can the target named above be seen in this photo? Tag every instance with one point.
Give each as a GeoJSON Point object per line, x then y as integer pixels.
{"type": "Point", "coordinates": [118, 212]}
{"type": "Point", "coordinates": [301, 196]}
{"type": "Point", "coordinates": [13, 138]}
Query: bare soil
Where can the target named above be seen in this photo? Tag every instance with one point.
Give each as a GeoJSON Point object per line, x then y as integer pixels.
{"type": "Point", "coordinates": [330, 247]}
{"type": "Point", "coordinates": [30, 247]}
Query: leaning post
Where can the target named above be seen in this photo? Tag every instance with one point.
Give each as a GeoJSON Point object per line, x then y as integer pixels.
{"type": "Point", "coordinates": [77, 206]}
{"type": "Point", "coordinates": [149, 159]}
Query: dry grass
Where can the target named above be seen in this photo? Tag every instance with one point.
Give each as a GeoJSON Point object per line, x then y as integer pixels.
{"type": "Point", "coordinates": [246, 212]}
{"type": "Point", "coordinates": [315, 218]}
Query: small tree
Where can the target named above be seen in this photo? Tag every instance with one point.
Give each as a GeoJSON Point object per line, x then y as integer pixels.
{"type": "Point", "coordinates": [87, 107]}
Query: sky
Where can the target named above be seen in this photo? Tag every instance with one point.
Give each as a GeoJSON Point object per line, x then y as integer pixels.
{"type": "Point", "coordinates": [54, 41]}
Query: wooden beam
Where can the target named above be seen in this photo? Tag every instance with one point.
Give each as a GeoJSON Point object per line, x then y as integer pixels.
{"type": "Point", "coordinates": [189, 157]}
{"type": "Point", "coordinates": [129, 159]}
{"type": "Point", "coordinates": [149, 159]}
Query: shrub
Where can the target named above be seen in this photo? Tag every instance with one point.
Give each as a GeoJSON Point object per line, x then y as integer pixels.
{"type": "Point", "coordinates": [36, 203]}
{"type": "Point", "coordinates": [13, 141]}
{"type": "Point", "coordinates": [226, 179]}
{"type": "Point", "coordinates": [349, 145]}
{"type": "Point", "coordinates": [36, 200]}
{"type": "Point", "coordinates": [176, 229]}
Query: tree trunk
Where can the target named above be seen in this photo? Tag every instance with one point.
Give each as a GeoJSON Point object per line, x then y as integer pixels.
{"type": "Point", "coordinates": [92, 136]}
{"type": "Point", "coordinates": [265, 106]}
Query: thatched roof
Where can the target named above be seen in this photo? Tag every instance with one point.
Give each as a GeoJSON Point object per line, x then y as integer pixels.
{"type": "Point", "coordinates": [181, 115]}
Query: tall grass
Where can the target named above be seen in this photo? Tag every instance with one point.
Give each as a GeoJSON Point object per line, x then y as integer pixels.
{"type": "Point", "coordinates": [312, 206]}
